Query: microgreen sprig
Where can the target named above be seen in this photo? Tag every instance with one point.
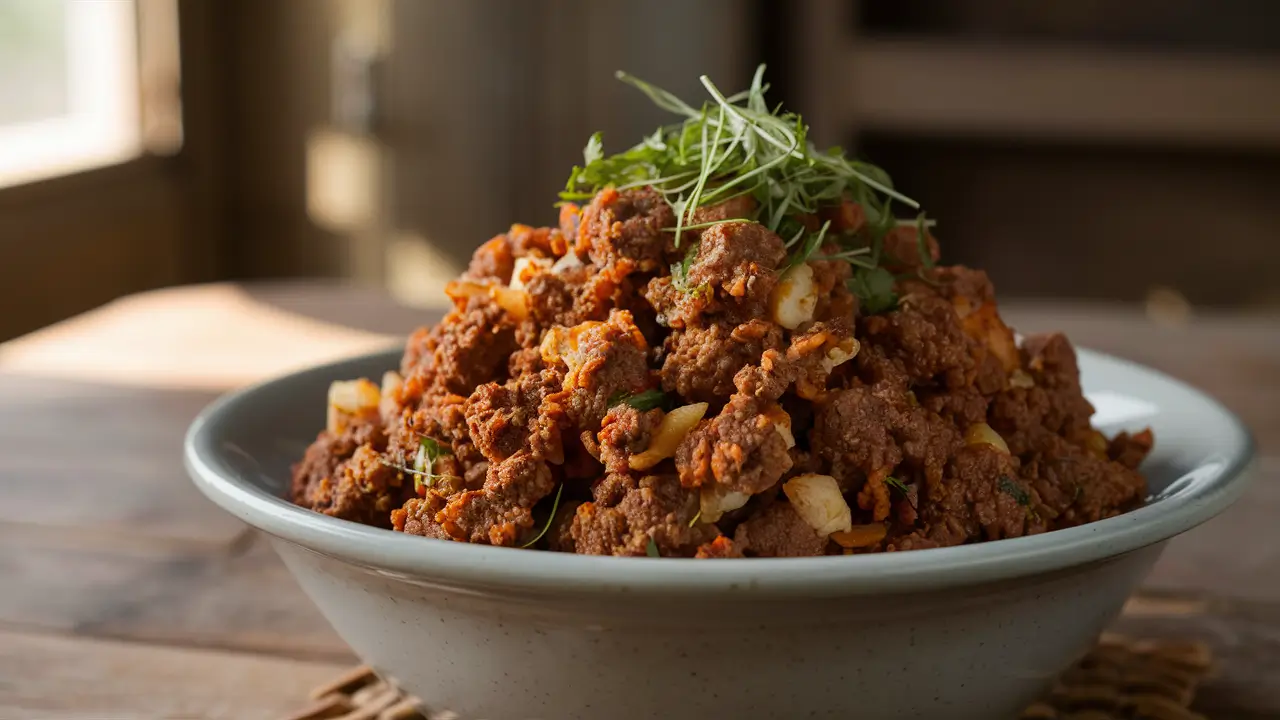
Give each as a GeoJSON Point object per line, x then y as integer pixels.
{"type": "Point", "coordinates": [424, 461]}
{"type": "Point", "coordinates": [733, 145]}
{"type": "Point", "coordinates": [555, 506]}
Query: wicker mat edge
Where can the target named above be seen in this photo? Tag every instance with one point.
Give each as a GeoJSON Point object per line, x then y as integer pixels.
{"type": "Point", "coordinates": [1122, 678]}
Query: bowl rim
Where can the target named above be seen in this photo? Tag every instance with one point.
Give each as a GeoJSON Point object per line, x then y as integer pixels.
{"type": "Point", "coordinates": [1212, 486]}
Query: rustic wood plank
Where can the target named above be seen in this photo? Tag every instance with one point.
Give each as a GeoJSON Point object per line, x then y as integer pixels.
{"type": "Point", "coordinates": [212, 337]}
{"type": "Point", "coordinates": [90, 457]}
{"type": "Point", "coordinates": [1242, 636]}
{"type": "Point", "coordinates": [47, 677]}
{"type": "Point", "coordinates": [242, 598]}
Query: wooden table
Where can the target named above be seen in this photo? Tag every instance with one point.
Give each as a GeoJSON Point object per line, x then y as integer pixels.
{"type": "Point", "coordinates": [124, 593]}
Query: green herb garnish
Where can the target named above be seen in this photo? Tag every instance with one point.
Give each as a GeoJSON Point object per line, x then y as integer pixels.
{"type": "Point", "coordinates": [652, 548]}
{"type": "Point", "coordinates": [874, 288]}
{"type": "Point", "coordinates": [424, 462]}
{"type": "Point", "coordinates": [680, 270]}
{"type": "Point", "coordinates": [555, 505]}
{"type": "Point", "coordinates": [644, 401]}
{"type": "Point", "coordinates": [922, 241]}
{"type": "Point", "coordinates": [896, 484]}
{"type": "Point", "coordinates": [695, 519]}
{"type": "Point", "coordinates": [735, 145]}
{"type": "Point", "coordinates": [1014, 490]}
{"type": "Point", "coordinates": [811, 245]}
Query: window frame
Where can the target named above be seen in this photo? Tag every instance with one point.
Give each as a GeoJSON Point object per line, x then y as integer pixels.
{"type": "Point", "coordinates": [74, 241]}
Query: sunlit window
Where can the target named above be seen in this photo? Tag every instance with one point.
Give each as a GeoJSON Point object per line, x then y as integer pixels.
{"type": "Point", "coordinates": [69, 97]}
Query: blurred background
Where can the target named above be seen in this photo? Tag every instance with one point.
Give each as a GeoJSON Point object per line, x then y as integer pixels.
{"type": "Point", "coordinates": [1087, 150]}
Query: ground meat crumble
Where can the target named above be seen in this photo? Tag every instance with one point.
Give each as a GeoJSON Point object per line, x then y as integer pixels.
{"type": "Point", "coordinates": [601, 388]}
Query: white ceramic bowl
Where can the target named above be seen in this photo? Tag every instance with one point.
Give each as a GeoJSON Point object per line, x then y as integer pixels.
{"type": "Point", "coordinates": [482, 632]}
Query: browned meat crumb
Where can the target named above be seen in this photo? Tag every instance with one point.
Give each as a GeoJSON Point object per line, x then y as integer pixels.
{"type": "Point", "coordinates": [571, 352]}
{"type": "Point", "coordinates": [736, 261]}
{"type": "Point", "coordinates": [740, 449]}
{"type": "Point", "coordinates": [626, 231]}
{"type": "Point", "coordinates": [721, 547]}
{"type": "Point", "coordinates": [501, 511]}
{"type": "Point", "coordinates": [777, 531]}
{"type": "Point", "coordinates": [658, 508]}
{"type": "Point", "coordinates": [342, 475]}
{"type": "Point", "coordinates": [741, 206]}
{"type": "Point", "coordinates": [902, 249]}
{"type": "Point", "coordinates": [624, 432]}
{"type": "Point", "coordinates": [1130, 450]}
{"type": "Point", "coordinates": [701, 362]}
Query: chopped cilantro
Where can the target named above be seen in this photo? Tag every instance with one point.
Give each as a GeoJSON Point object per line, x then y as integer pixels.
{"type": "Point", "coordinates": [652, 548]}
{"type": "Point", "coordinates": [896, 484]}
{"type": "Point", "coordinates": [874, 290]}
{"type": "Point", "coordinates": [644, 401]}
{"type": "Point", "coordinates": [1014, 490]}
{"type": "Point", "coordinates": [680, 271]}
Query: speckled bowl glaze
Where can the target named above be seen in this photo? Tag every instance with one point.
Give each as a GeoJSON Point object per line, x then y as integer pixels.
{"type": "Point", "coordinates": [482, 632]}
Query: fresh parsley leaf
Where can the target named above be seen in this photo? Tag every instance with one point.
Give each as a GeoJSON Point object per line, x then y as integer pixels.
{"type": "Point", "coordinates": [555, 506]}
{"type": "Point", "coordinates": [644, 401]}
{"type": "Point", "coordinates": [874, 289]}
{"type": "Point", "coordinates": [1013, 490]}
{"type": "Point", "coordinates": [652, 548]}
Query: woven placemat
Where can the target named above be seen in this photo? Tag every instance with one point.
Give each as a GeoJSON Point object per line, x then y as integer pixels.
{"type": "Point", "coordinates": [1120, 679]}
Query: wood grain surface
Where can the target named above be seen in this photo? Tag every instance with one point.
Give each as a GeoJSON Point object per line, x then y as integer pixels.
{"type": "Point", "coordinates": [125, 594]}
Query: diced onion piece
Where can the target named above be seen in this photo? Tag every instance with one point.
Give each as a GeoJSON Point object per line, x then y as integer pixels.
{"type": "Point", "coordinates": [515, 302]}
{"type": "Point", "coordinates": [1020, 378]}
{"type": "Point", "coordinates": [715, 501]}
{"type": "Point", "coordinates": [560, 345]}
{"type": "Point", "coordinates": [391, 382]}
{"type": "Point", "coordinates": [1097, 444]}
{"type": "Point", "coordinates": [794, 298]}
{"type": "Point", "coordinates": [567, 262]}
{"type": "Point", "coordinates": [860, 536]}
{"type": "Point", "coordinates": [349, 399]}
{"type": "Point", "coordinates": [983, 324]}
{"type": "Point", "coordinates": [353, 396]}
{"type": "Point", "coordinates": [982, 434]}
{"type": "Point", "coordinates": [555, 345]}
{"type": "Point", "coordinates": [784, 429]}
{"type": "Point", "coordinates": [781, 423]}
{"type": "Point", "coordinates": [673, 429]}
{"type": "Point", "coordinates": [465, 289]}
{"type": "Point", "coordinates": [842, 352]}
{"type": "Point", "coordinates": [818, 501]}
{"type": "Point", "coordinates": [525, 268]}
